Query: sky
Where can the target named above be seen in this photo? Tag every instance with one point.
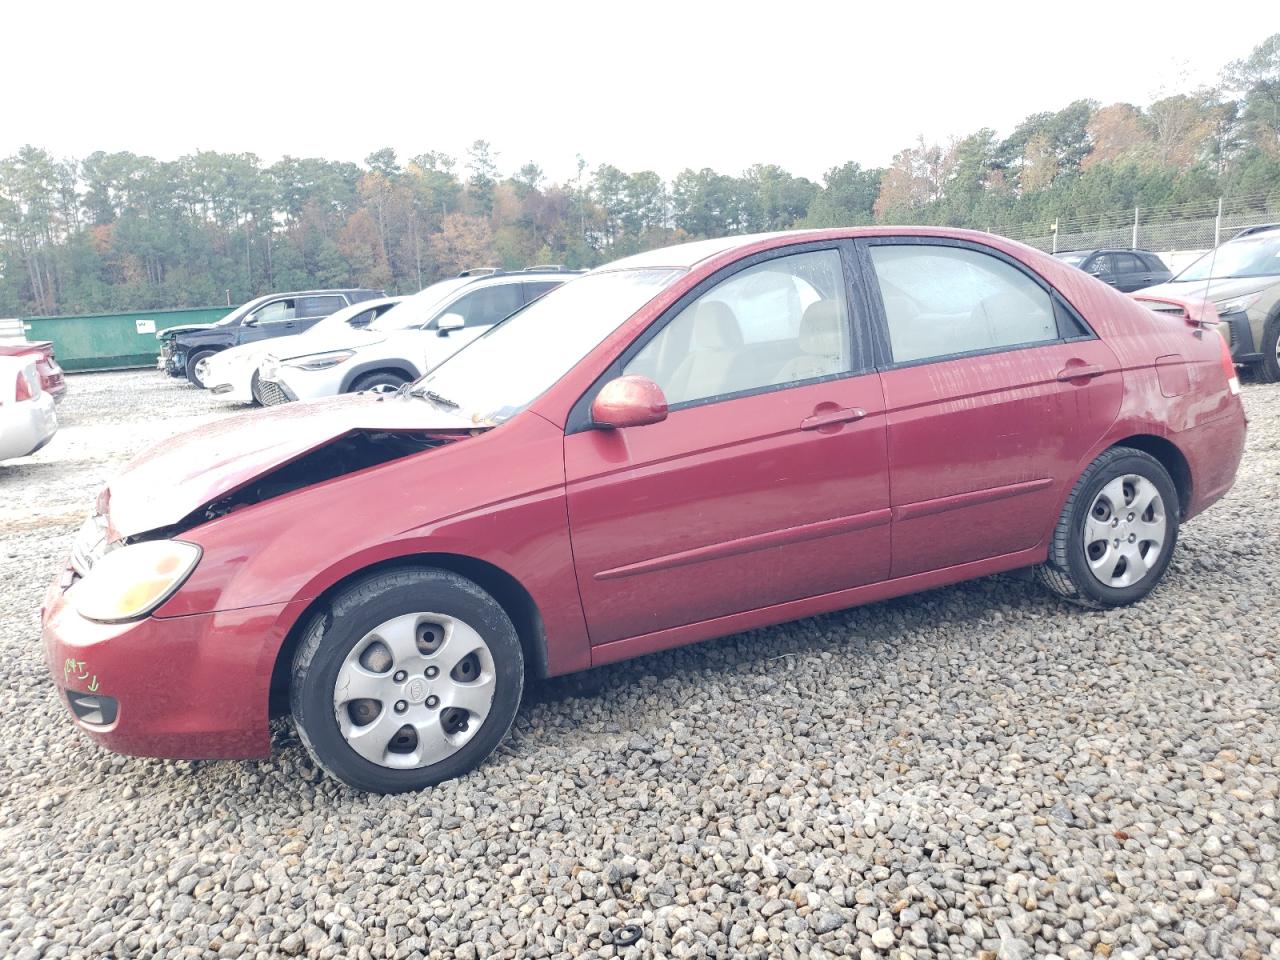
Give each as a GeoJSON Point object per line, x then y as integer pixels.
{"type": "Point", "coordinates": [650, 85]}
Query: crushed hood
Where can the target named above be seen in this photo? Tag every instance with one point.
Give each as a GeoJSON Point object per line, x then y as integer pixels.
{"type": "Point", "coordinates": [171, 480]}
{"type": "Point", "coordinates": [168, 332]}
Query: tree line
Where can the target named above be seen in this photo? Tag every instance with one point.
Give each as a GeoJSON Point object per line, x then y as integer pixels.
{"type": "Point", "coordinates": [118, 231]}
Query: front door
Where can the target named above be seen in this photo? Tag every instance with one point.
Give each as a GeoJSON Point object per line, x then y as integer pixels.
{"type": "Point", "coordinates": [994, 391]}
{"type": "Point", "coordinates": [768, 480]}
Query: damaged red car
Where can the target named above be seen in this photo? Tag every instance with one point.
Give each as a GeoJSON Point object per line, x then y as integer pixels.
{"type": "Point", "coordinates": [680, 445]}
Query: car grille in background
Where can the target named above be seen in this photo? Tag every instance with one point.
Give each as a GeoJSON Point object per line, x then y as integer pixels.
{"type": "Point", "coordinates": [269, 393]}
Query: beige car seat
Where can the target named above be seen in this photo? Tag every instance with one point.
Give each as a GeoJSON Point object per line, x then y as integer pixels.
{"type": "Point", "coordinates": [821, 342]}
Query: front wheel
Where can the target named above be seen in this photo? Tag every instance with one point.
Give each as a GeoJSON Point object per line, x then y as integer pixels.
{"type": "Point", "coordinates": [411, 678]}
{"type": "Point", "coordinates": [1117, 531]}
{"type": "Point", "coordinates": [381, 381]}
{"type": "Point", "coordinates": [1269, 368]}
{"type": "Point", "coordinates": [196, 367]}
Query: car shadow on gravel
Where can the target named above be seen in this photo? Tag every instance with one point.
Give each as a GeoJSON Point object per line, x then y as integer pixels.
{"type": "Point", "coordinates": [847, 630]}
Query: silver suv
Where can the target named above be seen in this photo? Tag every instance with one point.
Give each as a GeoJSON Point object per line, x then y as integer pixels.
{"type": "Point", "coordinates": [401, 345]}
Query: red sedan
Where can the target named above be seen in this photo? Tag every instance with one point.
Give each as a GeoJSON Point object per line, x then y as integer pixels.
{"type": "Point", "coordinates": [680, 445]}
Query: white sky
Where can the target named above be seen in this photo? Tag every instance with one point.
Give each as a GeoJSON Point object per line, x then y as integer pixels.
{"type": "Point", "coordinates": [649, 84]}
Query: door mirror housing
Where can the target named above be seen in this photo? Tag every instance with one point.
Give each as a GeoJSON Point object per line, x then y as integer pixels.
{"type": "Point", "coordinates": [629, 401]}
{"type": "Point", "coordinates": [450, 321]}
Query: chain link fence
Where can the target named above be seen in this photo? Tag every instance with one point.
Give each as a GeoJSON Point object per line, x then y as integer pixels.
{"type": "Point", "coordinates": [1178, 232]}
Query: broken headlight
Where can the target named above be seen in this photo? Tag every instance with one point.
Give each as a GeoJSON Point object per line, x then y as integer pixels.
{"type": "Point", "coordinates": [131, 581]}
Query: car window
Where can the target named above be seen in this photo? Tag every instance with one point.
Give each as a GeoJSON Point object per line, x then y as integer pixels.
{"type": "Point", "coordinates": [1100, 266]}
{"type": "Point", "coordinates": [321, 306]}
{"type": "Point", "coordinates": [1127, 263]}
{"type": "Point", "coordinates": [941, 301]}
{"type": "Point", "coordinates": [277, 311]}
{"type": "Point", "coordinates": [775, 323]}
{"type": "Point", "coordinates": [488, 305]}
{"type": "Point", "coordinates": [1153, 262]}
{"type": "Point", "coordinates": [362, 319]}
{"type": "Point", "coordinates": [532, 291]}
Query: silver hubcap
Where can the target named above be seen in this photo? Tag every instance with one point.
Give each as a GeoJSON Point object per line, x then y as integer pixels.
{"type": "Point", "coordinates": [1125, 532]}
{"type": "Point", "coordinates": [414, 690]}
{"type": "Point", "coordinates": [201, 368]}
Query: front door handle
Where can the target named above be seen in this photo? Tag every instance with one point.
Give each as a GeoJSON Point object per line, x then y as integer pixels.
{"type": "Point", "coordinates": [830, 418]}
{"type": "Point", "coordinates": [1080, 371]}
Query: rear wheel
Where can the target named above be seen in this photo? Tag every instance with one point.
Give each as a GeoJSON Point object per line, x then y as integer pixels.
{"type": "Point", "coordinates": [195, 370]}
{"type": "Point", "coordinates": [413, 677]}
{"type": "Point", "coordinates": [381, 381]}
{"type": "Point", "coordinates": [1117, 531]}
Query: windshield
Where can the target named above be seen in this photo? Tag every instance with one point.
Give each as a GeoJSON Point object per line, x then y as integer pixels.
{"type": "Point", "coordinates": [1075, 259]}
{"type": "Point", "coordinates": [235, 314]}
{"type": "Point", "coordinates": [502, 372]}
{"type": "Point", "coordinates": [418, 309]}
{"type": "Point", "coordinates": [1248, 257]}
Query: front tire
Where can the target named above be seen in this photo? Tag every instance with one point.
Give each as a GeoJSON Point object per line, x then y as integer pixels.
{"type": "Point", "coordinates": [193, 365]}
{"type": "Point", "coordinates": [1117, 531]}
{"type": "Point", "coordinates": [381, 381]}
{"type": "Point", "coordinates": [1269, 368]}
{"type": "Point", "coordinates": [412, 677]}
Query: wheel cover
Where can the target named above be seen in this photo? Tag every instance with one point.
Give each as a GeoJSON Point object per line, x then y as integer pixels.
{"type": "Point", "coordinates": [1125, 531]}
{"type": "Point", "coordinates": [414, 690]}
{"type": "Point", "coordinates": [201, 369]}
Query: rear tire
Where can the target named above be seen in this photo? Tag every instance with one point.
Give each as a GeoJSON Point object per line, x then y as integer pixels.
{"type": "Point", "coordinates": [410, 678]}
{"type": "Point", "coordinates": [1117, 531]}
{"type": "Point", "coordinates": [192, 376]}
{"type": "Point", "coordinates": [381, 380]}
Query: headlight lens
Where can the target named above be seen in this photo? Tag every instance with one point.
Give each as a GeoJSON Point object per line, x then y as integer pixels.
{"type": "Point", "coordinates": [130, 582]}
{"type": "Point", "coordinates": [322, 361]}
{"type": "Point", "coordinates": [1237, 303]}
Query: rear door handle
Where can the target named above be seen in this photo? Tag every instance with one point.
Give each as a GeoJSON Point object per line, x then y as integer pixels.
{"type": "Point", "coordinates": [829, 418]}
{"type": "Point", "coordinates": [1082, 371]}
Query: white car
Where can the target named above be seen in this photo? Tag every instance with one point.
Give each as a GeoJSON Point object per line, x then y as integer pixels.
{"type": "Point", "coordinates": [230, 373]}
{"type": "Point", "coordinates": [27, 417]}
{"type": "Point", "coordinates": [406, 341]}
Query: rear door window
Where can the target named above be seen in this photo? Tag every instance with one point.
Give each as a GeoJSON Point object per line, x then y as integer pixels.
{"type": "Point", "coordinates": [310, 308]}
{"type": "Point", "coordinates": [942, 301]}
{"type": "Point", "coordinates": [532, 291]}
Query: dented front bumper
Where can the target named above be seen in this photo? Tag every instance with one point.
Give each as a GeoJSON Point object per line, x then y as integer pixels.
{"type": "Point", "coordinates": [191, 687]}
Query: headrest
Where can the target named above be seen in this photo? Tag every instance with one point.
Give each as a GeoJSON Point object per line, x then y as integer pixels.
{"type": "Point", "coordinates": [715, 327]}
{"type": "Point", "coordinates": [821, 329]}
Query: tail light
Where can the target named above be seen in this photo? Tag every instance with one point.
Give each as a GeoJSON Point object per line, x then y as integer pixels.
{"type": "Point", "coordinates": [23, 389]}
{"type": "Point", "coordinates": [1229, 366]}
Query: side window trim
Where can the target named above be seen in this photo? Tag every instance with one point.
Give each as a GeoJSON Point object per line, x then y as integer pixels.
{"type": "Point", "coordinates": [878, 320]}
{"type": "Point", "coordinates": [861, 361]}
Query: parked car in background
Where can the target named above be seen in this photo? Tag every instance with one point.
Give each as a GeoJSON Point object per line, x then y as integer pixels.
{"type": "Point", "coordinates": [1241, 278]}
{"type": "Point", "coordinates": [233, 373]}
{"type": "Point", "coordinates": [404, 343]}
{"type": "Point", "coordinates": [275, 315]}
{"type": "Point", "coordinates": [52, 379]}
{"type": "Point", "coordinates": [1126, 270]}
{"type": "Point", "coordinates": [27, 417]}
{"type": "Point", "coordinates": [683, 444]}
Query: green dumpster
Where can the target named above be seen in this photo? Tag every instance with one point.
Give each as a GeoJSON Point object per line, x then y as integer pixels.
{"type": "Point", "coordinates": [113, 340]}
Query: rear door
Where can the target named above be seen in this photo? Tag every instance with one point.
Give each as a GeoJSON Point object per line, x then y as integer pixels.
{"type": "Point", "coordinates": [994, 391]}
{"type": "Point", "coordinates": [312, 309]}
{"type": "Point", "coordinates": [767, 482]}
{"type": "Point", "coordinates": [1131, 272]}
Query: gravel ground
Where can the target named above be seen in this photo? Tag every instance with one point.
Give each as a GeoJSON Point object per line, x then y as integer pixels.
{"type": "Point", "coordinates": [976, 771]}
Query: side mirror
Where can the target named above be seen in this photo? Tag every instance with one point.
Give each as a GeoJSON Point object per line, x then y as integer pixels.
{"type": "Point", "coordinates": [629, 402]}
{"type": "Point", "coordinates": [450, 321]}
{"type": "Point", "coordinates": [250, 321]}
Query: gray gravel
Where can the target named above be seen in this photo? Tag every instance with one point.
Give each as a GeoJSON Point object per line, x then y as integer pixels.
{"type": "Point", "coordinates": [976, 771]}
